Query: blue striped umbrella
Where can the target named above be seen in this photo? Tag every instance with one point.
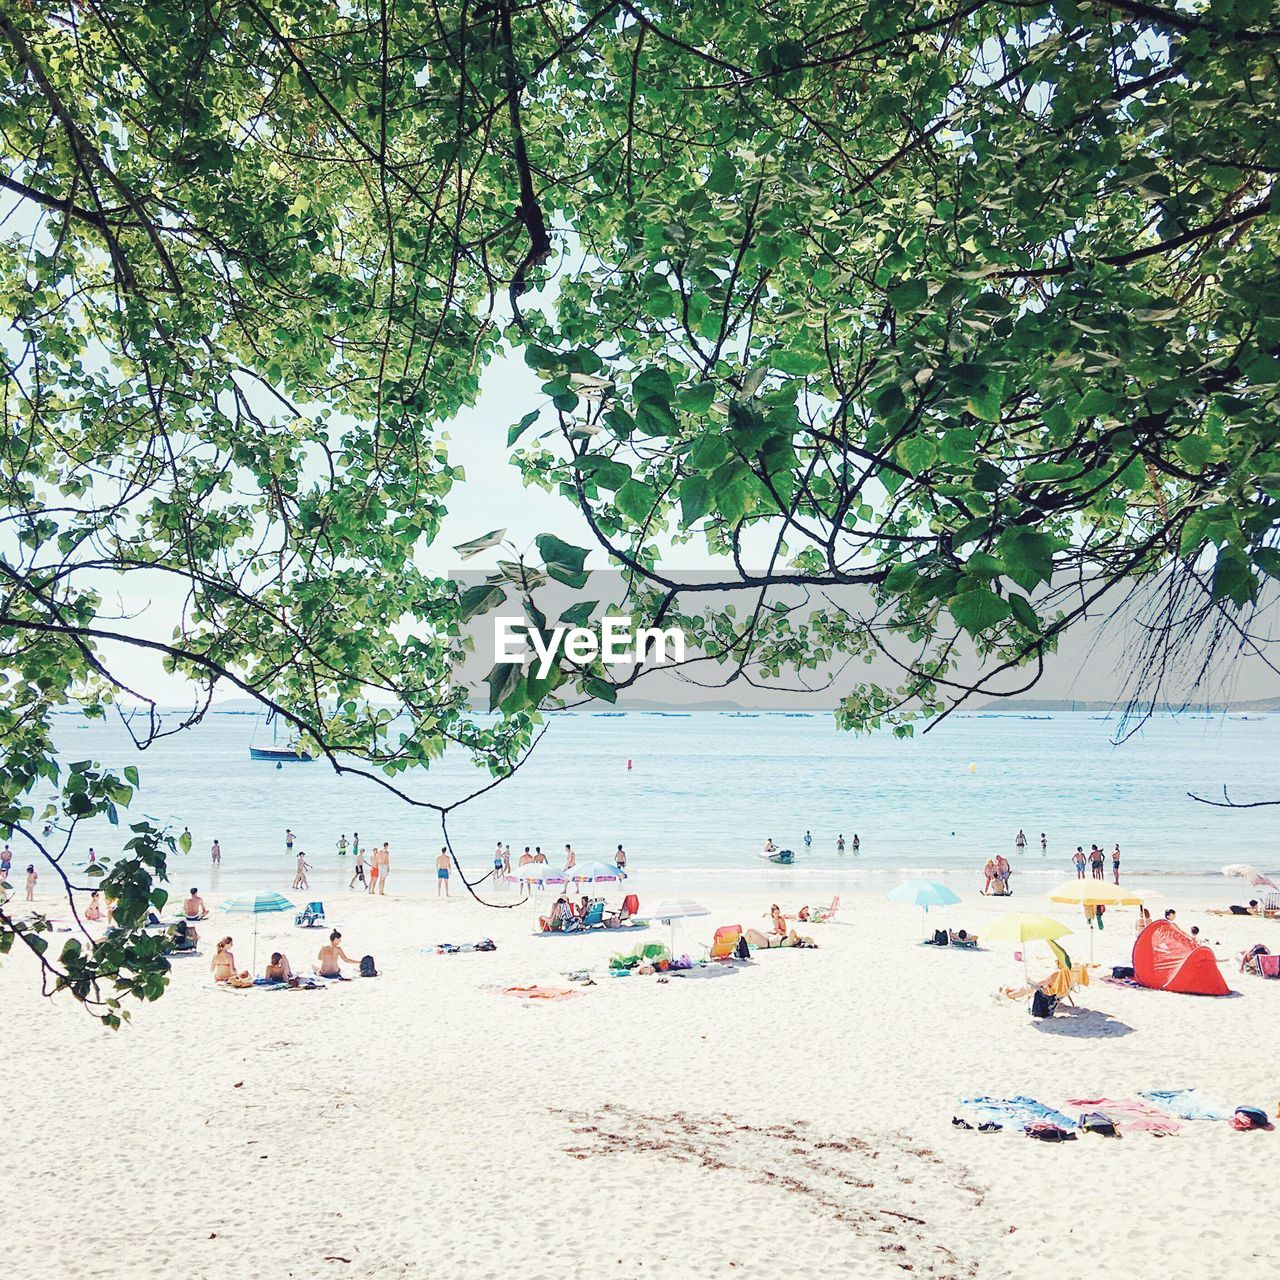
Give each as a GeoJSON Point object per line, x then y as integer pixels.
{"type": "Point", "coordinates": [256, 904]}
{"type": "Point", "coordinates": [924, 894]}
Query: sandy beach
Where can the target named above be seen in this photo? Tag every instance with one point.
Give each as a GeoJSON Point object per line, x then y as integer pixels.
{"type": "Point", "coordinates": [792, 1112]}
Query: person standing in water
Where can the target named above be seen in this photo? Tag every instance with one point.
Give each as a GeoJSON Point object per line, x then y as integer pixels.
{"type": "Point", "coordinates": [857, 844]}
{"type": "Point", "coordinates": [1044, 843]}
{"type": "Point", "coordinates": [808, 837]}
{"type": "Point", "coordinates": [442, 872]}
{"type": "Point", "coordinates": [620, 859]}
{"type": "Point", "coordinates": [1078, 859]}
{"type": "Point", "coordinates": [506, 859]}
{"type": "Point", "coordinates": [288, 839]}
{"type": "Point", "coordinates": [1020, 840]}
{"type": "Point", "coordinates": [840, 843]}
{"type": "Point", "coordinates": [342, 845]}
{"type": "Point", "coordinates": [215, 852]}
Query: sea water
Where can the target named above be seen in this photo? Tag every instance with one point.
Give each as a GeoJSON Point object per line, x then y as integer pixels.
{"type": "Point", "coordinates": [698, 794]}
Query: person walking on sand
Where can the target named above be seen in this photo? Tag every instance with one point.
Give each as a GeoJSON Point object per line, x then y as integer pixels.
{"type": "Point", "coordinates": [359, 872]}
{"type": "Point", "coordinates": [442, 872]}
{"type": "Point", "coordinates": [1078, 859]}
{"type": "Point", "coordinates": [570, 858]}
{"type": "Point", "coordinates": [1115, 863]}
{"type": "Point", "coordinates": [300, 877]}
{"type": "Point", "coordinates": [32, 877]}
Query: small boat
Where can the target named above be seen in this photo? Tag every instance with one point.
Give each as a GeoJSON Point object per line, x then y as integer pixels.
{"type": "Point", "coordinates": [294, 754]}
{"type": "Point", "coordinates": [782, 857]}
{"type": "Point", "coordinates": [291, 752]}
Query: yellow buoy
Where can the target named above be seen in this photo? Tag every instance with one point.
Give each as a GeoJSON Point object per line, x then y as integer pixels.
{"type": "Point", "coordinates": [973, 768]}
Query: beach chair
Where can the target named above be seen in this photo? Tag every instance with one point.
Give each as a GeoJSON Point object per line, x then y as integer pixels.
{"type": "Point", "coordinates": [310, 915]}
{"type": "Point", "coordinates": [630, 905]}
{"type": "Point", "coordinates": [819, 915]}
{"type": "Point", "coordinates": [725, 942]}
{"type": "Point", "coordinates": [1066, 976]}
{"type": "Point", "coordinates": [593, 919]}
{"type": "Point", "coordinates": [1269, 966]}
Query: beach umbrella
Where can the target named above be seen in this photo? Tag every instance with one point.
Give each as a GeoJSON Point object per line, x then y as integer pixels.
{"type": "Point", "coordinates": [1247, 871]}
{"type": "Point", "coordinates": [255, 905]}
{"type": "Point", "coordinates": [590, 872]}
{"type": "Point", "coordinates": [673, 909]}
{"type": "Point", "coordinates": [1094, 893]}
{"type": "Point", "coordinates": [1023, 927]}
{"type": "Point", "coordinates": [538, 873]}
{"type": "Point", "coordinates": [924, 894]}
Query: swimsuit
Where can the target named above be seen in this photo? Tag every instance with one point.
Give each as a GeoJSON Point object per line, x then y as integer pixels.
{"type": "Point", "coordinates": [442, 873]}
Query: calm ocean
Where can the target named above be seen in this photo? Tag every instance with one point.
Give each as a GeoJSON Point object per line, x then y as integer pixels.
{"type": "Point", "coordinates": [704, 790]}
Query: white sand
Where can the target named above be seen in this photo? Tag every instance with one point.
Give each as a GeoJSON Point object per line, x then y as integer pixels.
{"type": "Point", "coordinates": [792, 1116]}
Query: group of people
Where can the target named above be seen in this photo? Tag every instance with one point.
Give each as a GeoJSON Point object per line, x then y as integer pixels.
{"type": "Point", "coordinates": [997, 872]}
{"type": "Point", "coordinates": [1096, 861]}
{"type": "Point", "coordinates": [534, 855]}
{"type": "Point", "coordinates": [841, 845]}
{"type": "Point", "coordinates": [329, 961]}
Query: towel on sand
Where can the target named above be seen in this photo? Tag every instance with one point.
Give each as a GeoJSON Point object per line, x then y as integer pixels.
{"type": "Point", "coordinates": [1012, 1113]}
{"type": "Point", "coordinates": [1129, 1114]}
{"type": "Point", "coordinates": [1185, 1104]}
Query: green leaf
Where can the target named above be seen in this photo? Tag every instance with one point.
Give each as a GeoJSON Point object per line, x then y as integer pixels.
{"type": "Point", "coordinates": [1195, 451]}
{"type": "Point", "coordinates": [503, 681]}
{"type": "Point", "coordinates": [1027, 554]}
{"type": "Point", "coordinates": [479, 599]}
{"type": "Point", "coordinates": [578, 615]}
{"type": "Point", "coordinates": [636, 500]}
{"type": "Point", "coordinates": [601, 689]}
{"type": "Point", "coordinates": [911, 295]}
{"type": "Point", "coordinates": [695, 499]}
{"type": "Point", "coordinates": [979, 610]}
{"type": "Point", "coordinates": [1268, 560]}
{"type": "Point", "coordinates": [515, 432]}
{"type": "Point", "coordinates": [563, 560]}
{"type": "Point", "coordinates": [473, 548]}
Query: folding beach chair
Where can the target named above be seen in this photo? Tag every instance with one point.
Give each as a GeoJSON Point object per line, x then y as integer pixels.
{"type": "Point", "coordinates": [310, 915]}
{"type": "Point", "coordinates": [1269, 966]}
{"type": "Point", "coordinates": [630, 905]}
{"type": "Point", "coordinates": [725, 942]}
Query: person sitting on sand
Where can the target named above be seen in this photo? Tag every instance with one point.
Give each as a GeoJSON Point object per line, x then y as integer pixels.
{"type": "Point", "coordinates": [767, 942]}
{"type": "Point", "coordinates": [193, 908]}
{"type": "Point", "coordinates": [779, 923]}
{"type": "Point", "coordinates": [184, 937]}
{"type": "Point", "coordinates": [561, 913]}
{"type": "Point", "coordinates": [330, 955]}
{"type": "Point", "coordinates": [93, 911]}
{"type": "Point", "coordinates": [224, 968]}
{"type": "Point", "coordinates": [278, 970]}
{"type": "Point", "coordinates": [1144, 919]}
{"type": "Point", "coordinates": [1249, 962]}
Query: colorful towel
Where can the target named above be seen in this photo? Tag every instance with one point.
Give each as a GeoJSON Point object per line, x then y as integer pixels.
{"type": "Point", "coordinates": [1185, 1104]}
{"type": "Point", "coordinates": [1013, 1113]}
{"type": "Point", "coordinates": [541, 993]}
{"type": "Point", "coordinates": [1130, 1115]}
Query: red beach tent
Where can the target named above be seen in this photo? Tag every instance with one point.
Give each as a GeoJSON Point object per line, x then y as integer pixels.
{"type": "Point", "coordinates": [1167, 959]}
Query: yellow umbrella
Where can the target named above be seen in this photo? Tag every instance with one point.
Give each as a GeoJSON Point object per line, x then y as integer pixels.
{"type": "Point", "coordinates": [1094, 893]}
{"type": "Point", "coordinates": [1021, 926]}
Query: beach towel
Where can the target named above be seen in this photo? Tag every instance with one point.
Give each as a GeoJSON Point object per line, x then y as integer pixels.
{"type": "Point", "coordinates": [536, 992]}
{"type": "Point", "coordinates": [1185, 1104]}
{"type": "Point", "coordinates": [1013, 1113]}
{"type": "Point", "coordinates": [1131, 1115]}
{"type": "Point", "coordinates": [1250, 1118]}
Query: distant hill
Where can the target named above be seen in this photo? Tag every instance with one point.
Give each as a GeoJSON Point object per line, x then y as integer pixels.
{"type": "Point", "coordinates": [1020, 706]}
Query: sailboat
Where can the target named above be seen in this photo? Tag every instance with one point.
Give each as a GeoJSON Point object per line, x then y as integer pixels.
{"type": "Point", "coordinates": [292, 751]}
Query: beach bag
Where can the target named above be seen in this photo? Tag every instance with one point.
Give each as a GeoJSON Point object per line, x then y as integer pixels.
{"type": "Point", "coordinates": [1046, 1131]}
{"type": "Point", "coordinates": [940, 938]}
{"type": "Point", "coordinates": [1250, 1118]}
{"type": "Point", "coordinates": [1098, 1122]}
{"type": "Point", "coordinates": [743, 950]}
{"type": "Point", "coordinates": [367, 968]}
{"type": "Point", "coordinates": [1042, 1006]}
{"type": "Point", "coordinates": [486, 944]}
{"type": "Point", "coordinates": [1122, 971]}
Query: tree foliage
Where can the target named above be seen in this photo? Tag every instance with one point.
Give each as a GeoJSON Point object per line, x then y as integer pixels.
{"type": "Point", "coordinates": [969, 307]}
